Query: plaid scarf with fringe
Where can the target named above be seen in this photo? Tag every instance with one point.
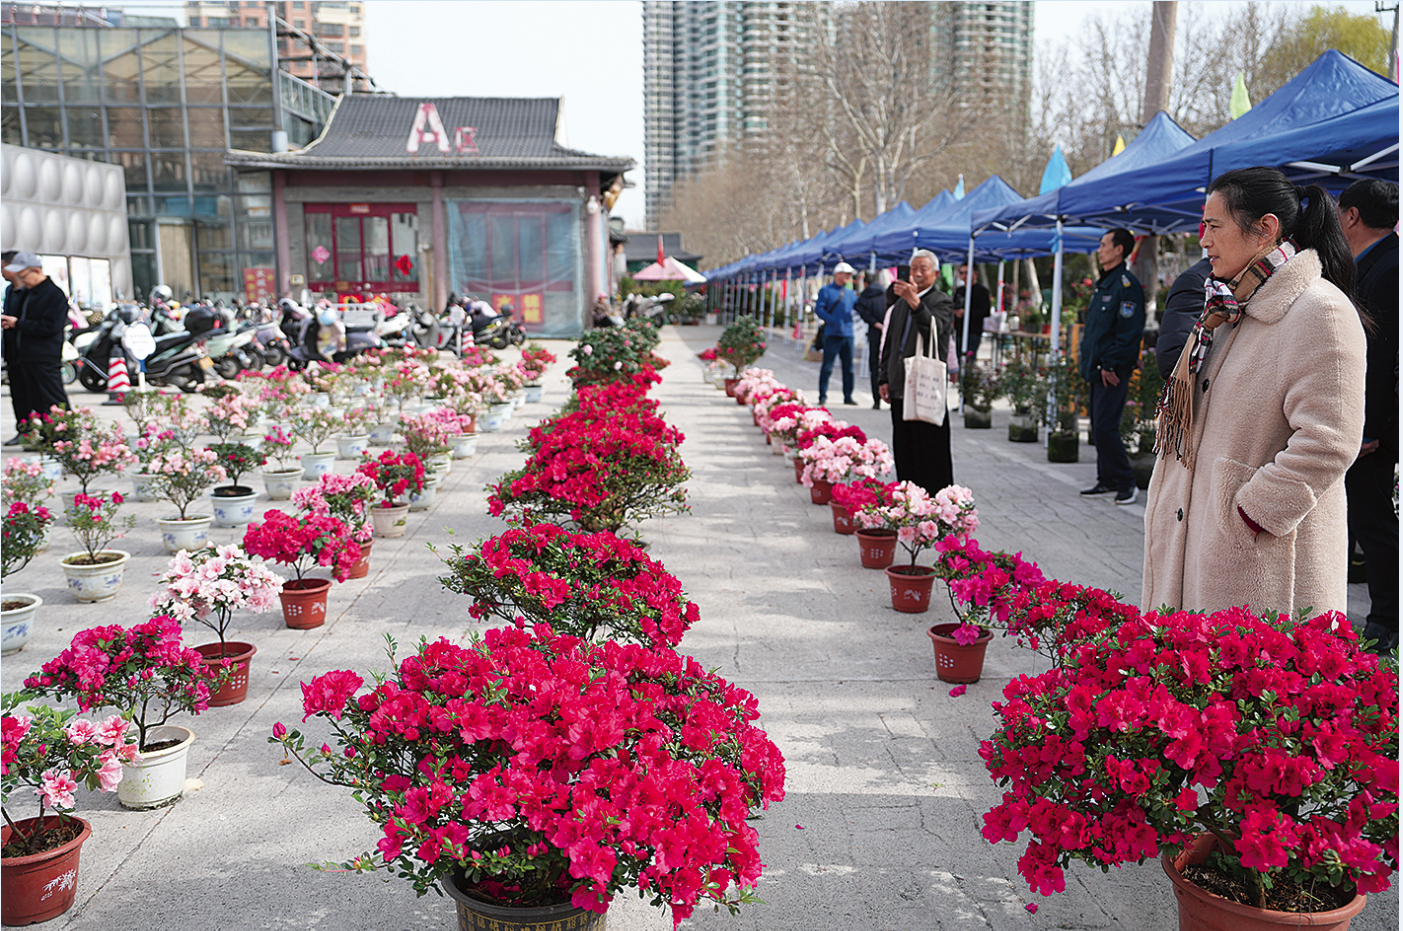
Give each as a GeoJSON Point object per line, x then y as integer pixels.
{"type": "Point", "coordinates": [1224, 303]}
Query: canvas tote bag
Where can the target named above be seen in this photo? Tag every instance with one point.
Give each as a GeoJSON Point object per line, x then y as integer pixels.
{"type": "Point", "coordinates": [925, 385]}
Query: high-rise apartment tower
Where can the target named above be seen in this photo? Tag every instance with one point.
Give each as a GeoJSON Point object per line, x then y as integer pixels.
{"type": "Point", "coordinates": [982, 53]}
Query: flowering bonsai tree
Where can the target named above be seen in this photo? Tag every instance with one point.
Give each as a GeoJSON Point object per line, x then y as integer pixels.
{"type": "Point", "coordinates": [613, 355]}
{"type": "Point", "coordinates": [144, 672]}
{"type": "Point", "coordinates": [394, 475]}
{"type": "Point", "coordinates": [1277, 737]}
{"type": "Point", "coordinates": [347, 498]}
{"type": "Point", "coordinates": [641, 771]}
{"type": "Point", "coordinates": [535, 359]}
{"type": "Point", "coordinates": [843, 460]}
{"type": "Point", "coordinates": [51, 753]}
{"type": "Point", "coordinates": [152, 440]}
{"type": "Point", "coordinates": [277, 445]}
{"type": "Point", "coordinates": [182, 476]}
{"type": "Point", "coordinates": [303, 541]}
{"type": "Point", "coordinates": [232, 412]}
{"type": "Point", "coordinates": [155, 409]}
{"type": "Point", "coordinates": [95, 522]}
{"type": "Point", "coordinates": [24, 527]}
{"type": "Point", "coordinates": [24, 480]}
{"type": "Point", "coordinates": [85, 448]}
{"type": "Point", "coordinates": [587, 585]}
{"type": "Point", "coordinates": [426, 435]}
{"type": "Point", "coordinates": [208, 585]}
{"type": "Point", "coordinates": [313, 425]}
{"type": "Point", "coordinates": [920, 519]}
{"type": "Point", "coordinates": [741, 344]}
{"type": "Point", "coordinates": [238, 459]}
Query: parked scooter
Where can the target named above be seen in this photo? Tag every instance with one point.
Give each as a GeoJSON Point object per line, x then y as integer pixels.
{"type": "Point", "coordinates": [179, 361]}
{"type": "Point", "coordinates": [495, 328]}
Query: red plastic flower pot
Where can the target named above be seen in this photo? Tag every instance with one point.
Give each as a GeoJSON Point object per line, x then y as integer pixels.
{"type": "Point", "coordinates": [235, 689]}
{"type": "Point", "coordinates": [362, 567]}
{"type": "Point", "coordinates": [878, 548]}
{"type": "Point", "coordinates": [821, 492]}
{"type": "Point", "coordinates": [910, 588]}
{"type": "Point", "coordinates": [798, 471]}
{"type": "Point", "coordinates": [304, 602]}
{"type": "Point", "coordinates": [957, 662]}
{"type": "Point", "coordinates": [842, 521]}
{"type": "Point", "coordinates": [42, 885]}
{"type": "Point", "coordinates": [731, 387]}
{"type": "Point", "coordinates": [1201, 910]}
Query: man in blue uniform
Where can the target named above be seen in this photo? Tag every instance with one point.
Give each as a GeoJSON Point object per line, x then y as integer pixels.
{"type": "Point", "coordinates": [835, 308]}
{"type": "Point", "coordinates": [1110, 351]}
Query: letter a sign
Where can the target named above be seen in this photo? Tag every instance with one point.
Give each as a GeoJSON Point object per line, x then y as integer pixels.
{"type": "Point", "coordinates": [427, 128]}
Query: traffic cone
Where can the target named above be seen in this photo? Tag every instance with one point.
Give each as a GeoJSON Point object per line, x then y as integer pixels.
{"type": "Point", "coordinates": [118, 383]}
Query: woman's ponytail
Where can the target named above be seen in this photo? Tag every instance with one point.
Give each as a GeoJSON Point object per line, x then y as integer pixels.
{"type": "Point", "coordinates": [1319, 228]}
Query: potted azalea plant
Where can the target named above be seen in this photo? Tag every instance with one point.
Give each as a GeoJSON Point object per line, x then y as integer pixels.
{"type": "Point", "coordinates": [314, 426]}
{"type": "Point", "coordinates": [349, 499]}
{"type": "Point", "coordinates": [742, 343]}
{"type": "Point", "coordinates": [49, 753]}
{"type": "Point", "coordinates": [95, 572]}
{"type": "Point", "coordinates": [148, 676]}
{"type": "Point", "coordinates": [300, 542]}
{"type": "Point", "coordinates": [833, 462]}
{"type": "Point", "coordinates": [233, 504]}
{"type": "Point", "coordinates": [1254, 756]}
{"type": "Point", "coordinates": [916, 520]}
{"type": "Point", "coordinates": [1023, 385]}
{"type": "Point", "coordinates": [25, 528]}
{"type": "Point", "coordinates": [850, 497]}
{"type": "Point", "coordinates": [182, 476]}
{"type": "Point", "coordinates": [979, 388]}
{"type": "Point", "coordinates": [84, 448]}
{"type": "Point", "coordinates": [1067, 391]}
{"type": "Point", "coordinates": [591, 585]}
{"type": "Point", "coordinates": [206, 587]}
{"type": "Point", "coordinates": [535, 359]}
{"type": "Point", "coordinates": [556, 823]}
{"type": "Point", "coordinates": [395, 476]}
{"type": "Point", "coordinates": [280, 481]}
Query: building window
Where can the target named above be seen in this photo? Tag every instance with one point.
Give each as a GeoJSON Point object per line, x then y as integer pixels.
{"type": "Point", "coordinates": [299, 24]}
{"type": "Point", "coordinates": [357, 51]}
{"type": "Point", "coordinates": [331, 29]}
{"type": "Point", "coordinates": [355, 31]}
{"type": "Point", "coordinates": [365, 246]}
{"type": "Point", "coordinates": [337, 47]}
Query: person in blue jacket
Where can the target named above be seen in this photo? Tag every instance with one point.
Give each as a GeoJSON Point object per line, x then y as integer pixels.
{"type": "Point", "coordinates": [835, 308]}
{"type": "Point", "coordinates": [1110, 353]}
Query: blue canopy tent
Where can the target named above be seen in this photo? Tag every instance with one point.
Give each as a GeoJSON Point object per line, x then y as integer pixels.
{"type": "Point", "coordinates": [895, 244]}
{"type": "Point", "coordinates": [857, 246]}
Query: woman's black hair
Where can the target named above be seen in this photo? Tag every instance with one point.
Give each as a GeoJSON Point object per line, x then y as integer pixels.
{"type": "Point", "coordinates": [1251, 193]}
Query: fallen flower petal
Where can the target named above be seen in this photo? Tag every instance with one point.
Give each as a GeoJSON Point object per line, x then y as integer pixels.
{"type": "Point", "coordinates": [957, 691]}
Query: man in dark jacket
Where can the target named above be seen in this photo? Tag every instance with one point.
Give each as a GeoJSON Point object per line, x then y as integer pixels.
{"type": "Point", "coordinates": [978, 313]}
{"type": "Point", "coordinates": [871, 306]}
{"type": "Point", "coordinates": [1110, 351]}
{"type": "Point", "coordinates": [921, 450]}
{"type": "Point", "coordinates": [1368, 213]}
{"type": "Point", "coordinates": [1182, 309]}
{"type": "Point", "coordinates": [38, 335]}
{"type": "Point", "coordinates": [14, 297]}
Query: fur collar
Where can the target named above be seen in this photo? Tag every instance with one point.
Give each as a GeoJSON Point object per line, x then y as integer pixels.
{"type": "Point", "coordinates": [1287, 283]}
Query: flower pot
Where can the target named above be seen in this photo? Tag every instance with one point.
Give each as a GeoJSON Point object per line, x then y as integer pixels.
{"type": "Point", "coordinates": [158, 778]}
{"type": "Point", "coordinates": [53, 469]}
{"type": "Point", "coordinates": [977, 419]}
{"type": "Point", "coordinates": [97, 582]}
{"type": "Point", "coordinates": [506, 408]}
{"type": "Point", "coordinates": [878, 548]}
{"type": "Point", "coordinates": [476, 915]}
{"type": "Point", "coordinates": [141, 487]}
{"type": "Point", "coordinates": [910, 588]}
{"type": "Point", "coordinates": [17, 622]}
{"type": "Point", "coordinates": [233, 510]}
{"type": "Point", "coordinates": [352, 446]}
{"type": "Point", "coordinates": [315, 465]}
{"type": "Point", "coordinates": [464, 445]}
{"type": "Point", "coordinates": [798, 470]}
{"type": "Point", "coordinates": [321, 399]}
{"type": "Point", "coordinates": [956, 662]}
{"type": "Point", "coordinates": [41, 885]}
{"type": "Point", "coordinates": [740, 399]}
{"type": "Point", "coordinates": [1201, 910]}
{"type": "Point", "coordinates": [443, 462]}
{"type": "Point", "coordinates": [821, 492]}
{"type": "Point", "coordinates": [362, 567]}
{"type": "Point", "coordinates": [492, 421]}
{"type": "Point", "coordinates": [281, 483]}
{"type": "Point", "coordinates": [730, 385]}
{"type": "Point", "coordinates": [188, 534]}
{"type": "Point", "coordinates": [304, 602]}
{"type": "Point", "coordinates": [383, 434]}
{"type": "Point", "coordinates": [1022, 430]}
{"type": "Point", "coordinates": [239, 656]}
{"type": "Point", "coordinates": [253, 439]}
{"type": "Point", "coordinates": [390, 522]}
{"type": "Point", "coordinates": [534, 392]}
{"type": "Point", "coordinates": [842, 521]}
{"type": "Point", "coordinates": [424, 499]}
{"type": "Point", "coordinates": [1062, 447]}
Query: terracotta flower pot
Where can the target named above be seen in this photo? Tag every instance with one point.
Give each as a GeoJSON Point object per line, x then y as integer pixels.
{"type": "Point", "coordinates": [910, 588]}
{"type": "Point", "coordinates": [304, 602]}
{"type": "Point", "coordinates": [798, 471]}
{"type": "Point", "coordinates": [362, 567]}
{"type": "Point", "coordinates": [1201, 910]}
{"type": "Point", "coordinates": [731, 387]}
{"type": "Point", "coordinates": [821, 492]}
{"type": "Point", "coordinates": [878, 548]}
{"type": "Point", "coordinates": [476, 915]}
{"type": "Point", "coordinates": [956, 662]}
{"type": "Point", "coordinates": [239, 654]}
{"type": "Point", "coordinates": [842, 521]}
{"type": "Point", "coordinates": [41, 885]}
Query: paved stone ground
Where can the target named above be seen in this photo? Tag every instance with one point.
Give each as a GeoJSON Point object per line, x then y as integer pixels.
{"type": "Point", "coordinates": [880, 828]}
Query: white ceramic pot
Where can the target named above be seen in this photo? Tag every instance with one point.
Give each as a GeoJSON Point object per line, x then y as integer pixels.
{"type": "Point", "coordinates": [464, 445]}
{"type": "Point", "coordinates": [18, 623]}
{"type": "Point", "coordinates": [383, 434]}
{"type": "Point", "coordinates": [281, 483]}
{"type": "Point", "coordinates": [141, 487]}
{"type": "Point", "coordinates": [315, 465]}
{"type": "Point", "coordinates": [234, 510]}
{"type": "Point", "coordinates": [189, 534]}
{"type": "Point", "coordinates": [443, 463]}
{"type": "Point", "coordinates": [424, 499]}
{"type": "Point", "coordinates": [321, 399]}
{"type": "Point", "coordinates": [434, 477]}
{"type": "Point", "coordinates": [253, 438]}
{"type": "Point", "coordinates": [158, 778]}
{"type": "Point", "coordinates": [492, 421]}
{"type": "Point", "coordinates": [533, 393]}
{"type": "Point", "coordinates": [95, 583]}
{"type": "Point", "coordinates": [390, 522]}
{"type": "Point", "coordinates": [352, 446]}
{"type": "Point", "coordinates": [53, 469]}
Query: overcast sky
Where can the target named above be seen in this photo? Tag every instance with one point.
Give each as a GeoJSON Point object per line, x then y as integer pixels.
{"type": "Point", "coordinates": [590, 52]}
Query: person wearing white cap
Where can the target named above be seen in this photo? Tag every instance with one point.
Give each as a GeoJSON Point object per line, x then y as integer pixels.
{"type": "Point", "coordinates": [37, 326]}
{"type": "Point", "coordinates": [835, 308]}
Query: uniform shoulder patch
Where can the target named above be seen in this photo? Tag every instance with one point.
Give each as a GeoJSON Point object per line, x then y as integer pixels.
{"type": "Point", "coordinates": [1125, 281]}
{"type": "Point", "coordinates": [1127, 309]}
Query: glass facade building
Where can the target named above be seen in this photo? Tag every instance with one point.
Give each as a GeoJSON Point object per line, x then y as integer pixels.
{"type": "Point", "coordinates": [166, 104]}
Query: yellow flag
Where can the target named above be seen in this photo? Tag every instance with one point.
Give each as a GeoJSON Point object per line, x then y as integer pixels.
{"type": "Point", "coordinates": [1120, 146]}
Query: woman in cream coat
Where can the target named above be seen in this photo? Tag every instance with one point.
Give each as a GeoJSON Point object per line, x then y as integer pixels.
{"type": "Point", "coordinates": [1264, 413]}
